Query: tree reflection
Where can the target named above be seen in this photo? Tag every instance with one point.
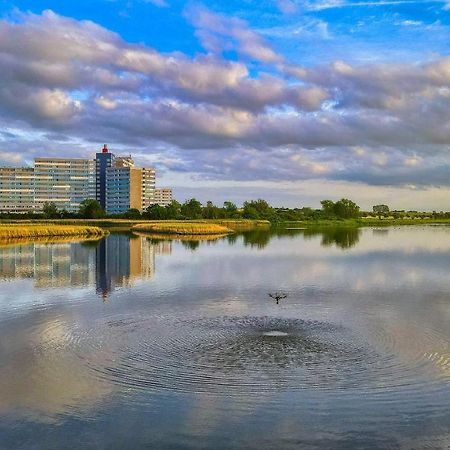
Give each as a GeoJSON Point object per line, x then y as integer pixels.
{"type": "Point", "coordinates": [191, 245]}
{"type": "Point", "coordinates": [339, 236]}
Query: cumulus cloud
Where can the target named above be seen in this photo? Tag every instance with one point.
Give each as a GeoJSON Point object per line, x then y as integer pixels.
{"type": "Point", "coordinates": [379, 123]}
{"type": "Point", "coordinates": [219, 33]}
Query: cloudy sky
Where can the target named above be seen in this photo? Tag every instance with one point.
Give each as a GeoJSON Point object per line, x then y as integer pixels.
{"type": "Point", "coordinates": [289, 100]}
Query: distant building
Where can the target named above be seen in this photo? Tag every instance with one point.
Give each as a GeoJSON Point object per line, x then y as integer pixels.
{"type": "Point", "coordinates": [103, 160]}
{"type": "Point", "coordinates": [383, 209]}
{"type": "Point", "coordinates": [122, 186]}
{"type": "Point", "coordinates": [148, 187]}
{"type": "Point", "coordinates": [123, 161]}
{"type": "Point", "coordinates": [16, 189]}
{"type": "Point", "coordinates": [129, 188]}
{"type": "Point", "coordinates": [123, 189]}
{"type": "Point", "coordinates": [112, 180]}
{"type": "Point", "coordinates": [163, 196]}
{"type": "Point", "coordinates": [66, 182]}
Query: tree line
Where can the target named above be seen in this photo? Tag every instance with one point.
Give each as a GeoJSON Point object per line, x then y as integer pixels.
{"type": "Point", "coordinates": [193, 209]}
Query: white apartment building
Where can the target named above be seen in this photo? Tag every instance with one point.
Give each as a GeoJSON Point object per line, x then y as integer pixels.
{"type": "Point", "coordinates": [163, 196]}
{"type": "Point", "coordinates": [66, 182]}
{"type": "Point", "coordinates": [16, 189]}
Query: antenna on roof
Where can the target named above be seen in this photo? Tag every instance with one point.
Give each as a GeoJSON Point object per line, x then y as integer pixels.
{"type": "Point", "coordinates": [105, 149]}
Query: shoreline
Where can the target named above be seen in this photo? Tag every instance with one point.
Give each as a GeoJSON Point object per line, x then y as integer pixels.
{"type": "Point", "coordinates": [34, 230]}
{"type": "Point", "coordinates": [31, 228]}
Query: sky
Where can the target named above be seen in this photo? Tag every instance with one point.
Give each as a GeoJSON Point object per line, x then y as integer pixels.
{"type": "Point", "coordinates": [292, 101]}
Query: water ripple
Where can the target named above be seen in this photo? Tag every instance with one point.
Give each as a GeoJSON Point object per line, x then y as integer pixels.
{"type": "Point", "coordinates": [238, 356]}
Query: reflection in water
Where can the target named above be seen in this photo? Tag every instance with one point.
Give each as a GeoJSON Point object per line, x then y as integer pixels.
{"type": "Point", "coordinates": [117, 261]}
{"type": "Point", "coordinates": [121, 259]}
{"type": "Point", "coordinates": [341, 237]}
{"type": "Point", "coordinates": [357, 356]}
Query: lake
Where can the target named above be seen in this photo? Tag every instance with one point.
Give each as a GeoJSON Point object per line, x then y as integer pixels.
{"type": "Point", "coordinates": [133, 342]}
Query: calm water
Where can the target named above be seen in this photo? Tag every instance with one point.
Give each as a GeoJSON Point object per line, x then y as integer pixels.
{"type": "Point", "coordinates": [135, 343]}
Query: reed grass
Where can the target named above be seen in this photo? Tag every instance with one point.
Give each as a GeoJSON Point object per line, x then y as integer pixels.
{"type": "Point", "coordinates": [183, 228]}
{"type": "Point", "coordinates": [13, 242]}
{"type": "Point", "coordinates": [181, 237]}
{"type": "Point", "coordinates": [16, 231]}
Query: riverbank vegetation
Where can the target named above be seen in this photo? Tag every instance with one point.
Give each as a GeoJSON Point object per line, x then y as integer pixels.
{"type": "Point", "coordinates": [22, 231]}
{"type": "Point", "coordinates": [183, 228]}
{"type": "Point", "coordinates": [253, 213]}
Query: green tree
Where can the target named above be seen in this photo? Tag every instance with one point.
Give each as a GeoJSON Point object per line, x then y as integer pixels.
{"type": "Point", "coordinates": [328, 208]}
{"type": "Point", "coordinates": [258, 209]}
{"type": "Point", "coordinates": [192, 209]}
{"type": "Point", "coordinates": [50, 210]}
{"type": "Point", "coordinates": [173, 210]}
{"type": "Point", "coordinates": [210, 211]}
{"type": "Point", "coordinates": [155, 212]}
{"type": "Point", "coordinates": [230, 210]}
{"type": "Point", "coordinates": [346, 209]}
{"type": "Point", "coordinates": [132, 214]}
{"type": "Point", "coordinates": [91, 209]}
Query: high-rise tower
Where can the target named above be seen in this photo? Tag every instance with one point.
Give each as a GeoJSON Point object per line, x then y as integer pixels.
{"type": "Point", "coordinates": [103, 160]}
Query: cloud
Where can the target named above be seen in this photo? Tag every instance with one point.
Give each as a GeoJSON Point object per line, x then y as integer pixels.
{"type": "Point", "coordinates": [287, 6]}
{"type": "Point", "coordinates": [219, 33]}
{"type": "Point", "coordinates": [318, 5]}
{"type": "Point", "coordinates": [159, 3]}
{"type": "Point", "coordinates": [304, 28]}
{"type": "Point", "coordinates": [382, 124]}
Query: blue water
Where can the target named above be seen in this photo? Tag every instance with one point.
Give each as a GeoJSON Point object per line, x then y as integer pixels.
{"type": "Point", "coordinates": [132, 342]}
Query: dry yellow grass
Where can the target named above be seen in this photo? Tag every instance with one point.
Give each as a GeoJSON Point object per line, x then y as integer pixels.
{"type": "Point", "coordinates": [13, 242]}
{"type": "Point", "coordinates": [183, 228]}
{"type": "Point", "coordinates": [181, 237]}
{"type": "Point", "coordinates": [16, 231]}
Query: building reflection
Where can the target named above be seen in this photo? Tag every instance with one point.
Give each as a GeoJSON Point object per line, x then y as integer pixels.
{"type": "Point", "coordinates": [117, 261]}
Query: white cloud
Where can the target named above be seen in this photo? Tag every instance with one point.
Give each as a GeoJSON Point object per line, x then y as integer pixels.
{"type": "Point", "coordinates": [219, 33]}
{"type": "Point", "coordinates": [287, 6]}
{"type": "Point", "coordinates": [380, 124]}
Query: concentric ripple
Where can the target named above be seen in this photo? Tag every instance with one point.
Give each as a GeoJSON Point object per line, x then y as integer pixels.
{"type": "Point", "coordinates": [235, 356]}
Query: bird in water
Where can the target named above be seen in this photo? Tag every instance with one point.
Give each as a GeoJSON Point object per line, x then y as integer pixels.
{"type": "Point", "coordinates": [277, 296]}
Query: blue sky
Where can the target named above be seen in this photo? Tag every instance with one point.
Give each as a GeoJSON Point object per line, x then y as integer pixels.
{"type": "Point", "coordinates": [289, 100]}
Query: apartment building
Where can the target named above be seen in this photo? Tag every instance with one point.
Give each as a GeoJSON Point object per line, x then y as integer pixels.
{"type": "Point", "coordinates": [162, 196]}
{"type": "Point", "coordinates": [113, 180]}
{"type": "Point", "coordinates": [16, 189]}
{"type": "Point", "coordinates": [148, 187]}
{"type": "Point", "coordinates": [129, 188]}
{"type": "Point", "coordinates": [103, 161]}
{"type": "Point", "coordinates": [123, 189]}
{"type": "Point", "coordinates": [66, 182]}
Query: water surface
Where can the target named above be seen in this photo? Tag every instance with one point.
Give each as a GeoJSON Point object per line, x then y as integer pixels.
{"type": "Point", "coordinates": [131, 342]}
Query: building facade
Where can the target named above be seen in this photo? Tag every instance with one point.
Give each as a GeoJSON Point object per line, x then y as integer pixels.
{"type": "Point", "coordinates": [148, 187]}
{"type": "Point", "coordinates": [16, 189]}
{"type": "Point", "coordinates": [103, 161]}
{"type": "Point", "coordinates": [123, 189]}
{"type": "Point", "coordinates": [129, 188]}
{"type": "Point", "coordinates": [112, 180]}
{"type": "Point", "coordinates": [162, 196]}
{"type": "Point", "coordinates": [66, 182]}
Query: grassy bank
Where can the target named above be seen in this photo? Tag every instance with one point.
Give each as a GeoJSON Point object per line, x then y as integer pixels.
{"type": "Point", "coordinates": [182, 228]}
{"type": "Point", "coordinates": [127, 224]}
{"type": "Point", "coordinates": [231, 224]}
{"type": "Point", "coordinates": [181, 237]}
{"type": "Point", "coordinates": [36, 230]}
{"type": "Point", "coordinates": [49, 240]}
{"type": "Point", "coordinates": [363, 222]}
